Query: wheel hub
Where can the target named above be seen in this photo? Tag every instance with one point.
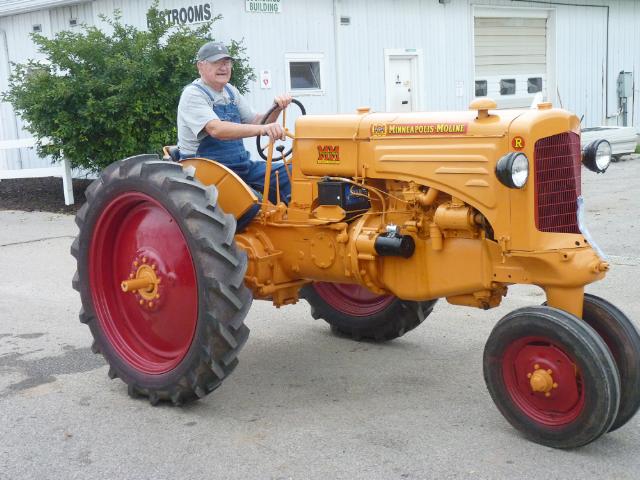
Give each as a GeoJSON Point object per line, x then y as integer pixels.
{"type": "Point", "coordinates": [144, 282]}
{"type": "Point", "coordinates": [542, 380]}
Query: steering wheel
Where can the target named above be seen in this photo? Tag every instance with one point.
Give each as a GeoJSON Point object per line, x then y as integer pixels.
{"type": "Point", "coordinates": [279, 148]}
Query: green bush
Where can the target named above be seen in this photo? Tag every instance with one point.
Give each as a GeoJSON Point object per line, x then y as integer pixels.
{"type": "Point", "coordinates": [100, 97]}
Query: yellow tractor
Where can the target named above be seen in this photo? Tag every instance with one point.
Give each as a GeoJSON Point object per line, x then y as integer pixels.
{"type": "Point", "coordinates": [388, 213]}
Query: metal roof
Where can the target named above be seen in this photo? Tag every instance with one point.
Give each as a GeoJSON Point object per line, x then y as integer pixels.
{"type": "Point", "coordinates": [12, 7]}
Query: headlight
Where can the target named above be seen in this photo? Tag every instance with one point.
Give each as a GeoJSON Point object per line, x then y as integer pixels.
{"type": "Point", "coordinates": [513, 169]}
{"type": "Point", "coordinates": [597, 156]}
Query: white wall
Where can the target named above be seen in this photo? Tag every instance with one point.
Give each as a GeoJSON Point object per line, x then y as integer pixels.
{"type": "Point", "coordinates": [20, 48]}
{"type": "Point", "coordinates": [586, 76]}
{"type": "Point", "coordinates": [303, 26]}
{"type": "Point", "coordinates": [443, 33]}
{"type": "Point", "coordinates": [354, 54]}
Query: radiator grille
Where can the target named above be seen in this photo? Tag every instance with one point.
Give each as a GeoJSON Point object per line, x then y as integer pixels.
{"type": "Point", "coordinates": [557, 182]}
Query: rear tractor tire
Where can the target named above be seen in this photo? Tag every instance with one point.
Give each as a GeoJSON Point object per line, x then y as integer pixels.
{"type": "Point", "coordinates": [356, 312]}
{"type": "Point", "coordinates": [161, 280]}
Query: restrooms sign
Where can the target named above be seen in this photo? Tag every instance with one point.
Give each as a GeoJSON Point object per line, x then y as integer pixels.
{"type": "Point", "coordinates": [189, 14]}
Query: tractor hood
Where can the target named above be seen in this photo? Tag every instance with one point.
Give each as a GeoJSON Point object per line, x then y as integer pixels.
{"type": "Point", "coordinates": [367, 125]}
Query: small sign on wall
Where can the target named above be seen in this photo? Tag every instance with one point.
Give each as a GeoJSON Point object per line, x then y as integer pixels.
{"type": "Point", "coordinates": [263, 6]}
{"type": "Point", "coordinates": [265, 79]}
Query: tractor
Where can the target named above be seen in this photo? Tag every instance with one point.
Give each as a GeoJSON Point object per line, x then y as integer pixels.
{"type": "Point", "coordinates": [388, 213]}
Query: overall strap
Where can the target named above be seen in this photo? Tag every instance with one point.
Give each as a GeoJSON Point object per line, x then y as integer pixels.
{"type": "Point", "coordinates": [206, 92]}
{"type": "Point", "coordinates": [232, 97]}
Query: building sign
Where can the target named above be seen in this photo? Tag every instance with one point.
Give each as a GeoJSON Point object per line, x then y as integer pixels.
{"type": "Point", "coordinates": [263, 6]}
{"type": "Point", "coordinates": [191, 14]}
{"type": "Point", "coordinates": [265, 79]}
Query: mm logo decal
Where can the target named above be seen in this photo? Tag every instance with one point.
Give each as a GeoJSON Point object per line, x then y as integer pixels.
{"type": "Point", "coordinates": [328, 154]}
{"type": "Point", "coordinates": [517, 143]}
{"type": "Point", "coordinates": [379, 130]}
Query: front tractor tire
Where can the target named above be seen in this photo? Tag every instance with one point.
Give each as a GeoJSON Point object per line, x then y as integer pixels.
{"type": "Point", "coordinates": [161, 280]}
{"type": "Point", "coordinates": [552, 377]}
{"type": "Point", "coordinates": [356, 312]}
{"type": "Point", "coordinates": [623, 340]}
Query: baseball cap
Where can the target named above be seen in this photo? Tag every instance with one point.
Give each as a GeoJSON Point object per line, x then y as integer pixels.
{"type": "Point", "coordinates": [212, 52]}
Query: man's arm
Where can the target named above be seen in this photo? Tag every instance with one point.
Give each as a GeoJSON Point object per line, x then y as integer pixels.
{"type": "Point", "coordinates": [231, 131]}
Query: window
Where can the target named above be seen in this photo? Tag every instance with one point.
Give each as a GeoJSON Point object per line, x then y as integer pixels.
{"type": "Point", "coordinates": [481, 88]}
{"type": "Point", "coordinates": [534, 85]}
{"type": "Point", "coordinates": [37, 28]}
{"type": "Point", "coordinates": [305, 74]}
{"type": "Point", "coordinates": [73, 22]}
{"type": "Point", "coordinates": [508, 86]}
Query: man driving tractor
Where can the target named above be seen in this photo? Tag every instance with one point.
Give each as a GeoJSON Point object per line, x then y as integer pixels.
{"type": "Point", "coordinates": [213, 118]}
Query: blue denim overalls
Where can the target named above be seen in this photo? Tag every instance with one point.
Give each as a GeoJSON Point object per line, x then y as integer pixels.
{"type": "Point", "coordinates": [232, 154]}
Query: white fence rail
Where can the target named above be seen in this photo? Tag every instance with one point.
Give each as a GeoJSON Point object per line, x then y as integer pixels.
{"type": "Point", "coordinates": [63, 170]}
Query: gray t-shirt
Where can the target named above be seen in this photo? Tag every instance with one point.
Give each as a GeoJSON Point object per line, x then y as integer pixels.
{"type": "Point", "coordinates": [195, 110]}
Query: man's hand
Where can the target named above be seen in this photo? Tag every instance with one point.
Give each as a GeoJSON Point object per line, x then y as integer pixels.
{"type": "Point", "coordinates": [282, 101]}
{"type": "Point", "coordinates": [274, 130]}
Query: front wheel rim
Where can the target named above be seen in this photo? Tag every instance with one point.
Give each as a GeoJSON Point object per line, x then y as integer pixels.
{"type": "Point", "coordinates": [150, 329]}
{"type": "Point", "coordinates": [558, 397]}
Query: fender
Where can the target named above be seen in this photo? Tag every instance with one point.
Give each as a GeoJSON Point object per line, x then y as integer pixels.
{"type": "Point", "coordinates": [234, 196]}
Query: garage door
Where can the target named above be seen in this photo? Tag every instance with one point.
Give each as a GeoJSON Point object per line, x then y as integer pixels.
{"type": "Point", "coordinates": [510, 59]}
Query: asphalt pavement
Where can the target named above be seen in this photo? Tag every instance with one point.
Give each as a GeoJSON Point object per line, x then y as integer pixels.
{"type": "Point", "coordinates": [303, 403]}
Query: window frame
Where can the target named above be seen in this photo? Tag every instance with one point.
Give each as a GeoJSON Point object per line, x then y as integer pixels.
{"type": "Point", "coordinates": [310, 58]}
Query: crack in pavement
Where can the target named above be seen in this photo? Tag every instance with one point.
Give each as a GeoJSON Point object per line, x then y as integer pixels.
{"type": "Point", "coordinates": [36, 240]}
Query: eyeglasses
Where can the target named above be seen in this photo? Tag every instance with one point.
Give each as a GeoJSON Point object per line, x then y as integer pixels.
{"type": "Point", "coordinates": [224, 62]}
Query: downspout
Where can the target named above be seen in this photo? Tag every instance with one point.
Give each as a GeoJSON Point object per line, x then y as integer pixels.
{"type": "Point", "coordinates": [5, 51]}
{"type": "Point", "coordinates": [336, 25]}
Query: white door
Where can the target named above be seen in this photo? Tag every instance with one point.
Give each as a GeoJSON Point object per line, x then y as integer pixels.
{"type": "Point", "coordinates": [511, 59]}
{"type": "Point", "coordinates": [400, 84]}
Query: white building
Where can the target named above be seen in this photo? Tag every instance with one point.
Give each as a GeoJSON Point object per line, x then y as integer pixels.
{"type": "Point", "coordinates": [387, 54]}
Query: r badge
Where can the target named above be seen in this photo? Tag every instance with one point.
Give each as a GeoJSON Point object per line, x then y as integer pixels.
{"type": "Point", "coordinates": [517, 143]}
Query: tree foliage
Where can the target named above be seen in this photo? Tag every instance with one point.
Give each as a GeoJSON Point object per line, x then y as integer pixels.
{"type": "Point", "coordinates": [101, 96]}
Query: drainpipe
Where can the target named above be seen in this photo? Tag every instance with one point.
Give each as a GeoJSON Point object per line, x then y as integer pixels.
{"type": "Point", "coordinates": [5, 52]}
{"type": "Point", "coordinates": [336, 44]}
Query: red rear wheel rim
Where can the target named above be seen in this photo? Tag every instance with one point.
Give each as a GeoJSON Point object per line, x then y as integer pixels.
{"type": "Point", "coordinates": [565, 402]}
{"type": "Point", "coordinates": [150, 335]}
{"type": "Point", "coordinates": [353, 300]}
